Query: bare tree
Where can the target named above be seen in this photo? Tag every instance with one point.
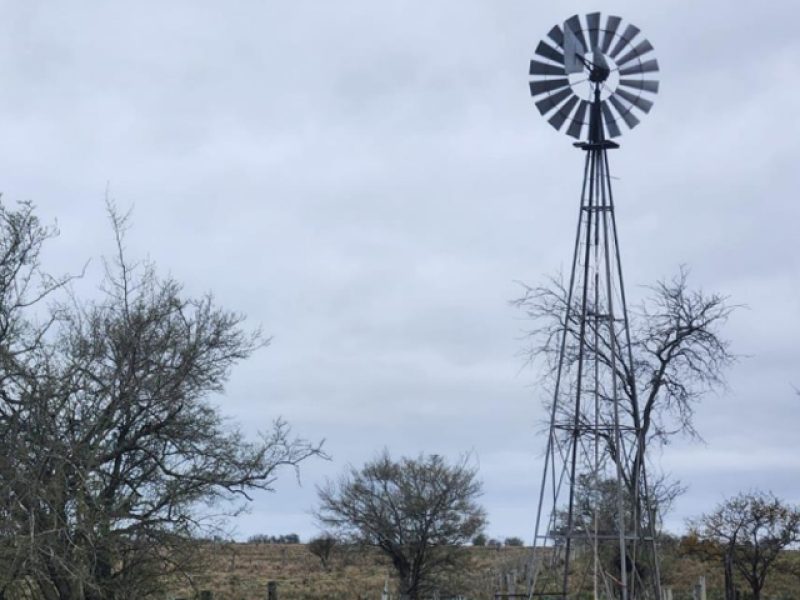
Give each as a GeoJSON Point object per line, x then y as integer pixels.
{"type": "Point", "coordinates": [678, 354]}
{"type": "Point", "coordinates": [114, 455]}
{"type": "Point", "coordinates": [24, 332]}
{"type": "Point", "coordinates": [322, 547]}
{"type": "Point", "coordinates": [750, 533]}
{"type": "Point", "coordinates": [419, 512]}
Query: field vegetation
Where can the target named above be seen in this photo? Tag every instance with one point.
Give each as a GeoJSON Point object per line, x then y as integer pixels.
{"type": "Point", "coordinates": [241, 571]}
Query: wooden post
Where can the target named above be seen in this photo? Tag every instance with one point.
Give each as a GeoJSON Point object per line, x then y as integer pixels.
{"type": "Point", "coordinates": [272, 590]}
{"type": "Point", "coordinates": [385, 592]}
{"type": "Point", "coordinates": [206, 595]}
{"type": "Point", "coordinates": [700, 588]}
{"type": "Point", "coordinates": [666, 592]}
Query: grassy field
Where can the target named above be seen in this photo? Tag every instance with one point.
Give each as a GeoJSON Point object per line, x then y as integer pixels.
{"type": "Point", "coordinates": [241, 571]}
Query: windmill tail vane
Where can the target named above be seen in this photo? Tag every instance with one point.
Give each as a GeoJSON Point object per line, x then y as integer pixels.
{"type": "Point", "coordinates": [596, 523]}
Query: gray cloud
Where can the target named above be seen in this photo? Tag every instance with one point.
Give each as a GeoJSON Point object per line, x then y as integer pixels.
{"type": "Point", "coordinates": [369, 180]}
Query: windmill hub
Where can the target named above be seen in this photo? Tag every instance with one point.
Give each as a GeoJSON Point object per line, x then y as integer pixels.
{"type": "Point", "coordinates": [592, 77]}
{"type": "Point", "coordinates": [599, 74]}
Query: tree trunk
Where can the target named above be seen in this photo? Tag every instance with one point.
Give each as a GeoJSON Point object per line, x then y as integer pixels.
{"type": "Point", "coordinates": [730, 589]}
{"type": "Point", "coordinates": [409, 588]}
{"type": "Point", "coordinates": [756, 583]}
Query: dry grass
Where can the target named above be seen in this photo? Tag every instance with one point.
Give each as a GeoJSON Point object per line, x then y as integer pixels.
{"type": "Point", "coordinates": [241, 572]}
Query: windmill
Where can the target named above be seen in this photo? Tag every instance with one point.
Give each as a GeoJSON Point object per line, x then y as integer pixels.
{"type": "Point", "coordinates": [595, 516]}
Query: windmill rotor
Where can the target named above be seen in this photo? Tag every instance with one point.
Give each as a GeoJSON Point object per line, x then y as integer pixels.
{"type": "Point", "coordinates": [590, 60]}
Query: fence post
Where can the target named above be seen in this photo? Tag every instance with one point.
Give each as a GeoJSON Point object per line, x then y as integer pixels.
{"type": "Point", "coordinates": [700, 588]}
{"type": "Point", "coordinates": [512, 581]}
{"type": "Point", "coordinates": [666, 592]}
{"type": "Point", "coordinates": [272, 590]}
{"type": "Point", "coordinates": [206, 595]}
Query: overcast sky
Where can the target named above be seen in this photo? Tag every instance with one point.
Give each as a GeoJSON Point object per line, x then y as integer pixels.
{"type": "Point", "coordinates": [369, 180]}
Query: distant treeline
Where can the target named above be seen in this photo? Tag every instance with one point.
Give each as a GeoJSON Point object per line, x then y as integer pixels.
{"type": "Point", "coordinates": [262, 538]}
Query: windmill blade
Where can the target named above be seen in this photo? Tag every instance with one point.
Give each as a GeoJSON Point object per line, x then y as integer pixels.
{"type": "Point", "coordinates": [545, 105]}
{"type": "Point", "coordinates": [574, 23]}
{"type": "Point", "coordinates": [575, 127]}
{"type": "Point", "coordinates": [631, 31]}
{"type": "Point", "coordinates": [648, 66]}
{"type": "Point", "coordinates": [611, 28]}
{"type": "Point", "coordinates": [630, 120]}
{"type": "Point", "coordinates": [561, 115]}
{"type": "Point", "coordinates": [548, 51]}
{"type": "Point", "coordinates": [637, 101]}
{"type": "Point", "coordinates": [625, 39]}
{"type": "Point", "coordinates": [609, 120]}
{"type": "Point", "coordinates": [593, 20]}
{"type": "Point", "coordinates": [540, 68]}
{"type": "Point", "coordinates": [557, 36]}
{"type": "Point", "coordinates": [640, 48]}
{"type": "Point", "coordinates": [548, 85]}
{"type": "Point", "coordinates": [641, 84]}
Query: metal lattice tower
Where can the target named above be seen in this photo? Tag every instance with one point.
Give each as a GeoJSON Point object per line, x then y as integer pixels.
{"type": "Point", "coordinates": [595, 517]}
